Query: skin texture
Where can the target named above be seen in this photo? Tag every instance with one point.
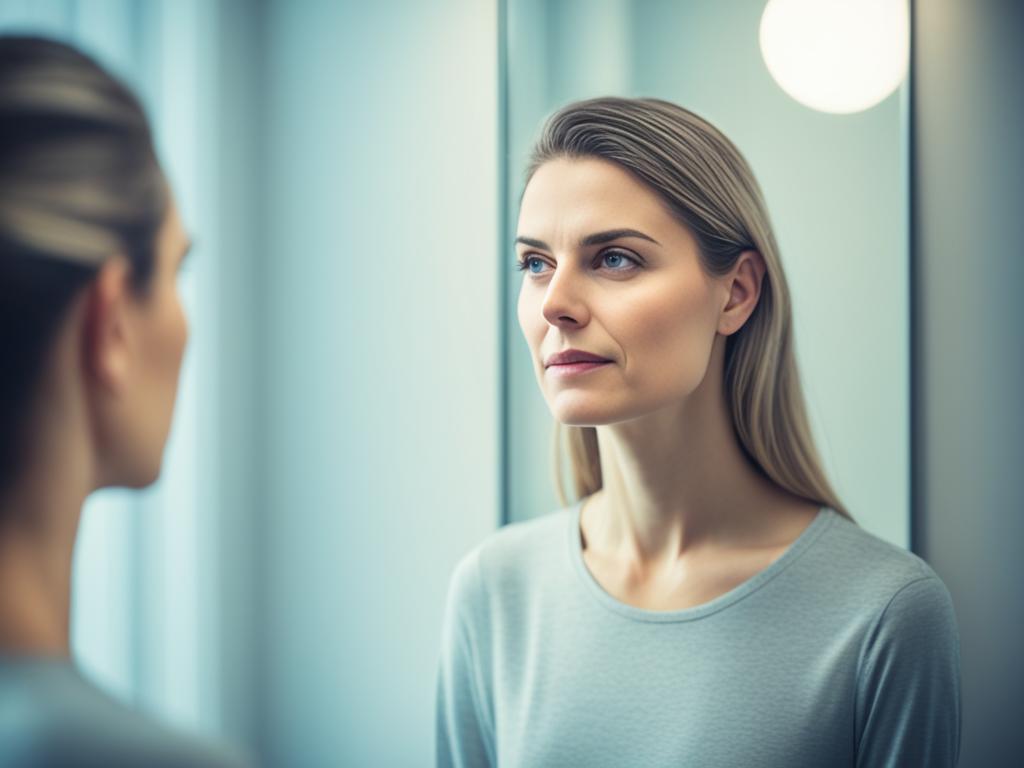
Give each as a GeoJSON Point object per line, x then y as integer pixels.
{"type": "Point", "coordinates": [683, 516]}
{"type": "Point", "coordinates": [101, 417]}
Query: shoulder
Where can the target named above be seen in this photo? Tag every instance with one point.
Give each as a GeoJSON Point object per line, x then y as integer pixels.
{"type": "Point", "coordinates": [54, 717]}
{"type": "Point", "coordinates": [920, 611]}
{"type": "Point", "coordinates": [896, 598]}
{"type": "Point", "coordinates": [908, 664]}
{"type": "Point", "coordinates": [512, 547]}
{"type": "Point", "coordinates": [509, 558]}
{"type": "Point", "coordinates": [873, 569]}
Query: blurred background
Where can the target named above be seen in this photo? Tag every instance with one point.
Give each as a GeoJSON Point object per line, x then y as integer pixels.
{"type": "Point", "coordinates": [358, 408]}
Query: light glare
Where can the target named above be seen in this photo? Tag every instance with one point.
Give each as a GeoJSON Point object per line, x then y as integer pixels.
{"type": "Point", "coordinates": [838, 56]}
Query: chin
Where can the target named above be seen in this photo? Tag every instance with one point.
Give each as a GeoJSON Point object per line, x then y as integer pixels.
{"type": "Point", "coordinates": [585, 414]}
{"type": "Point", "coordinates": [141, 476]}
{"type": "Point", "coordinates": [149, 479]}
{"type": "Point", "coordinates": [577, 409]}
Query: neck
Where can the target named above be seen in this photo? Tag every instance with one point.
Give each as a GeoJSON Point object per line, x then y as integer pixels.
{"type": "Point", "coordinates": [678, 479]}
{"type": "Point", "coordinates": [37, 536]}
{"type": "Point", "coordinates": [39, 517]}
{"type": "Point", "coordinates": [36, 550]}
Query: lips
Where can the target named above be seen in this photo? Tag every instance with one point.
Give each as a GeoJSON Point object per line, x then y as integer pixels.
{"type": "Point", "coordinates": [574, 356]}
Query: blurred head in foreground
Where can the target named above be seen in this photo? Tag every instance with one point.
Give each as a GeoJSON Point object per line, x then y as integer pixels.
{"type": "Point", "coordinates": [92, 330]}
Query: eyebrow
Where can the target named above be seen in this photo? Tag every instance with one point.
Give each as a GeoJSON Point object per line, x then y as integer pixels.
{"type": "Point", "coordinates": [595, 239]}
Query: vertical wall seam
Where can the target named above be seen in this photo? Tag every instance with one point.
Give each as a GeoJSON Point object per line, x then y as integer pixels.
{"type": "Point", "coordinates": [915, 382]}
{"type": "Point", "coordinates": [504, 307]}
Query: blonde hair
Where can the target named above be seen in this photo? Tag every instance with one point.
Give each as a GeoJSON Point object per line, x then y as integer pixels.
{"type": "Point", "coordinates": [708, 185]}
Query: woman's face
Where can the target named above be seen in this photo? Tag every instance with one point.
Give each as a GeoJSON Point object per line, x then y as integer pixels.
{"type": "Point", "coordinates": [158, 331]}
{"type": "Point", "coordinates": [611, 272]}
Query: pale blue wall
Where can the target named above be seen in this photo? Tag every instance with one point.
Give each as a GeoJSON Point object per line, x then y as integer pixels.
{"type": "Point", "coordinates": [380, 362]}
{"type": "Point", "coordinates": [835, 187]}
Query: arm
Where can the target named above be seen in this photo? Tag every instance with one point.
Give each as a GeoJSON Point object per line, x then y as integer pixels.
{"type": "Point", "coordinates": [464, 736]}
{"type": "Point", "coordinates": [908, 684]}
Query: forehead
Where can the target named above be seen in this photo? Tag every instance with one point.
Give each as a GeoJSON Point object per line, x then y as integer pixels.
{"type": "Point", "coordinates": [573, 196]}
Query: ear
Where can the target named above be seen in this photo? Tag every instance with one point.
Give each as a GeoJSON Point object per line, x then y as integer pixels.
{"type": "Point", "coordinates": [107, 340]}
{"type": "Point", "coordinates": [744, 289]}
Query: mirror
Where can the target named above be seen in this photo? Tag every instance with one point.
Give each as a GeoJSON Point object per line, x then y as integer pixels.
{"type": "Point", "coordinates": [836, 190]}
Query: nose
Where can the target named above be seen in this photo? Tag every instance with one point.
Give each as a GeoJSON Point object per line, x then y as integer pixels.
{"type": "Point", "coordinates": [564, 305]}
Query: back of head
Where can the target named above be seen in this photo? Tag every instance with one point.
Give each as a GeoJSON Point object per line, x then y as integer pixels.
{"type": "Point", "coordinates": [79, 183]}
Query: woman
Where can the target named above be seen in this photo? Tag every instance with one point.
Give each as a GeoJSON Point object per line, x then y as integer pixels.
{"type": "Point", "coordinates": [707, 601]}
{"type": "Point", "coordinates": [92, 334]}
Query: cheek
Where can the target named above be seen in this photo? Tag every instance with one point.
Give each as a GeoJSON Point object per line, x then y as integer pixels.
{"type": "Point", "coordinates": [181, 328]}
{"type": "Point", "coordinates": [173, 337]}
{"type": "Point", "coordinates": [668, 335]}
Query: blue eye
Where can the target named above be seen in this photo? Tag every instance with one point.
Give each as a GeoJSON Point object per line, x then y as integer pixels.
{"type": "Point", "coordinates": [528, 264]}
{"type": "Point", "coordinates": [616, 259]}
{"type": "Point", "coordinates": [613, 260]}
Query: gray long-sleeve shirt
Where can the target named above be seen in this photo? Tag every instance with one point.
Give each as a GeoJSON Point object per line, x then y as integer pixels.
{"type": "Point", "coordinates": [842, 652]}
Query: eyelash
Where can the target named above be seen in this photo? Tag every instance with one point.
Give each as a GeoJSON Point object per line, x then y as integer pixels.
{"type": "Point", "coordinates": [523, 264]}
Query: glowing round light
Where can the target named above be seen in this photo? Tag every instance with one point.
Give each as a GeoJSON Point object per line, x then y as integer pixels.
{"type": "Point", "coordinates": [836, 55]}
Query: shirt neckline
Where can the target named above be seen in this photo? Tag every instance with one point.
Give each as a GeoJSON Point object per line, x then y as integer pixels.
{"type": "Point", "coordinates": [817, 526]}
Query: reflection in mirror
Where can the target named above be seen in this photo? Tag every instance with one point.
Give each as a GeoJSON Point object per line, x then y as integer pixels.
{"type": "Point", "coordinates": [706, 590]}
{"type": "Point", "coordinates": [835, 189]}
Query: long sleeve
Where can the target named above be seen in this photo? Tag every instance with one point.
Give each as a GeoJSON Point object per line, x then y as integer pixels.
{"type": "Point", "coordinates": [908, 686]}
{"type": "Point", "coordinates": [464, 734]}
